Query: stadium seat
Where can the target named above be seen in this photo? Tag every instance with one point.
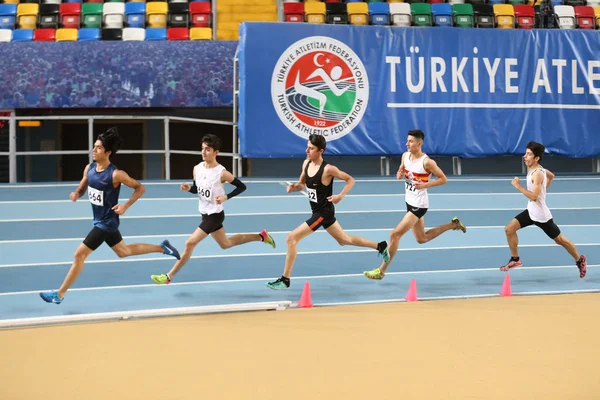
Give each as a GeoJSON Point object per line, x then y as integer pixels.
{"type": "Point", "coordinates": [400, 14]}
{"type": "Point", "coordinates": [92, 15]}
{"type": "Point", "coordinates": [453, 2]}
{"type": "Point", "coordinates": [66, 34]}
{"type": "Point", "coordinates": [336, 13]}
{"type": "Point", "coordinates": [27, 16]}
{"type": "Point", "coordinates": [597, 14]}
{"type": "Point", "coordinates": [293, 12]}
{"type": "Point", "coordinates": [515, 2]}
{"type": "Point", "coordinates": [593, 3]}
{"type": "Point", "coordinates": [483, 15]}
{"type": "Point", "coordinates": [156, 14]}
{"type": "Point", "coordinates": [112, 34]}
{"type": "Point", "coordinates": [156, 34]}
{"type": "Point", "coordinates": [178, 34]}
{"type": "Point", "coordinates": [200, 34]}
{"type": "Point", "coordinates": [6, 35]}
{"type": "Point", "coordinates": [70, 15]}
{"type": "Point", "coordinates": [566, 17]}
{"type": "Point", "coordinates": [574, 3]}
{"type": "Point", "coordinates": [585, 17]}
{"type": "Point", "coordinates": [11, 2]}
{"type": "Point", "coordinates": [44, 35]}
{"type": "Point", "coordinates": [8, 13]}
{"type": "Point", "coordinates": [179, 15]}
{"type": "Point", "coordinates": [136, 15]}
{"type": "Point", "coordinates": [421, 13]}
{"type": "Point", "coordinates": [201, 14]}
{"type": "Point", "coordinates": [463, 15]}
{"type": "Point", "coordinates": [48, 16]}
{"type": "Point", "coordinates": [442, 14]}
{"type": "Point", "coordinates": [22, 35]}
{"type": "Point", "coordinates": [505, 16]}
{"type": "Point", "coordinates": [315, 11]}
{"type": "Point", "coordinates": [134, 34]}
{"type": "Point", "coordinates": [379, 13]}
{"type": "Point", "coordinates": [524, 16]}
{"type": "Point", "coordinates": [52, 2]}
{"type": "Point", "coordinates": [113, 15]}
{"type": "Point", "coordinates": [358, 13]}
{"type": "Point", "coordinates": [87, 34]}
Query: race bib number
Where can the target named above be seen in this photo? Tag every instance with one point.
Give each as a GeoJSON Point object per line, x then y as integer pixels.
{"type": "Point", "coordinates": [96, 196]}
{"type": "Point", "coordinates": [410, 187]}
{"type": "Point", "coordinates": [312, 194]}
{"type": "Point", "coordinates": [205, 194]}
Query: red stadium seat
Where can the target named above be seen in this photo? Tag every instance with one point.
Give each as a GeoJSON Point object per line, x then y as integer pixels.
{"type": "Point", "coordinates": [200, 12]}
{"type": "Point", "coordinates": [178, 34]}
{"type": "Point", "coordinates": [44, 35]}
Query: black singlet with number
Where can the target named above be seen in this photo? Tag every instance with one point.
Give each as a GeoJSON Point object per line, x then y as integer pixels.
{"type": "Point", "coordinates": [317, 192]}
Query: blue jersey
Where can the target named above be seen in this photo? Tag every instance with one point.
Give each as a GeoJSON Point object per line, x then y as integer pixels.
{"type": "Point", "coordinates": [103, 197]}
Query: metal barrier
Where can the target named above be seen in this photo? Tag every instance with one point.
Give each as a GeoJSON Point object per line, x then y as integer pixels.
{"type": "Point", "coordinates": [166, 151]}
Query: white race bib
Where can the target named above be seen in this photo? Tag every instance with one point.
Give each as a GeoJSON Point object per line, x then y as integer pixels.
{"type": "Point", "coordinates": [204, 193]}
{"type": "Point", "coordinates": [96, 196]}
{"type": "Point", "coordinates": [312, 194]}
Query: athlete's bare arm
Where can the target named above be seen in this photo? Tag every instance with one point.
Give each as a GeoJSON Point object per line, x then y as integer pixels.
{"type": "Point", "coordinates": [401, 169]}
{"type": "Point", "coordinates": [537, 180]}
{"type": "Point", "coordinates": [432, 167]}
{"type": "Point", "coordinates": [82, 185]}
{"type": "Point", "coordinates": [334, 172]}
{"type": "Point", "coordinates": [301, 184]}
{"type": "Point", "coordinates": [186, 186]}
{"type": "Point", "coordinates": [120, 176]}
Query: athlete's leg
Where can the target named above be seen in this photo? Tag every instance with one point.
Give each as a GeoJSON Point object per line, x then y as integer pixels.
{"type": "Point", "coordinates": [513, 243]}
{"type": "Point", "coordinates": [79, 258]}
{"type": "Point", "coordinates": [424, 237]}
{"type": "Point", "coordinates": [190, 244]}
{"type": "Point", "coordinates": [291, 240]}
{"type": "Point", "coordinates": [127, 250]}
{"type": "Point", "coordinates": [563, 241]}
{"type": "Point", "coordinates": [408, 221]}
{"type": "Point", "coordinates": [344, 239]}
{"type": "Point", "coordinates": [227, 242]}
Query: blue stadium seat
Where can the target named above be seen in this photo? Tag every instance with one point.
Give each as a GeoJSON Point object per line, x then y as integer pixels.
{"type": "Point", "coordinates": [136, 14]}
{"type": "Point", "coordinates": [23, 35]}
{"type": "Point", "coordinates": [8, 13]}
{"type": "Point", "coordinates": [379, 13]}
{"type": "Point", "coordinates": [86, 34]}
{"type": "Point", "coordinates": [442, 14]}
{"type": "Point", "coordinates": [156, 33]}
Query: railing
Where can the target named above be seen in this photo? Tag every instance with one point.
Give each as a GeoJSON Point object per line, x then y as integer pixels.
{"type": "Point", "coordinates": [167, 151]}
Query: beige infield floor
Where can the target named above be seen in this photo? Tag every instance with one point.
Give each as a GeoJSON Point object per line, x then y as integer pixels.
{"type": "Point", "coordinates": [534, 347]}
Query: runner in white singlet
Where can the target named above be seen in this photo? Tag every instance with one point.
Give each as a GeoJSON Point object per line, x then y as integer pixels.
{"type": "Point", "coordinates": [416, 169]}
{"type": "Point", "coordinates": [537, 213]}
{"type": "Point", "coordinates": [209, 177]}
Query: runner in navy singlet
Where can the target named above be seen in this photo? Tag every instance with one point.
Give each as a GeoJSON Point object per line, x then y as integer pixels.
{"type": "Point", "coordinates": [103, 180]}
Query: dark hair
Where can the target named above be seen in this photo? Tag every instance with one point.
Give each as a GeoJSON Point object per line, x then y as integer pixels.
{"type": "Point", "coordinates": [417, 133]}
{"type": "Point", "coordinates": [318, 141]}
{"type": "Point", "coordinates": [537, 149]}
{"type": "Point", "coordinates": [212, 141]}
{"type": "Point", "coordinates": [111, 140]}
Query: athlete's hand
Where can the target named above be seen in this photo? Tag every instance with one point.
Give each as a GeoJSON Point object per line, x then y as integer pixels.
{"type": "Point", "coordinates": [401, 172]}
{"type": "Point", "coordinates": [119, 209]}
{"type": "Point", "coordinates": [336, 198]}
{"type": "Point", "coordinates": [220, 199]}
{"type": "Point", "coordinates": [290, 188]}
{"type": "Point", "coordinates": [516, 182]}
{"type": "Point", "coordinates": [185, 187]}
{"type": "Point", "coordinates": [420, 185]}
{"type": "Point", "coordinates": [74, 196]}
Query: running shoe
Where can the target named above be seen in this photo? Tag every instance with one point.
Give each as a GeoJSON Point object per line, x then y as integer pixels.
{"type": "Point", "coordinates": [375, 274]}
{"type": "Point", "coordinates": [51, 297]}
{"type": "Point", "coordinates": [277, 284]}
{"type": "Point", "coordinates": [458, 225]}
{"type": "Point", "coordinates": [267, 239]}
{"type": "Point", "coordinates": [582, 265]}
{"type": "Point", "coordinates": [511, 264]}
{"type": "Point", "coordinates": [169, 249]}
{"type": "Point", "coordinates": [161, 279]}
{"type": "Point", "coordinates": [385, 253]}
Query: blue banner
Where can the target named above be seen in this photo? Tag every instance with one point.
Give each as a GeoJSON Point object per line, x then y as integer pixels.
{"type": "Point", "coordinates": [117, 74]}
{"type": "Point", "coordinates": [474, 92]}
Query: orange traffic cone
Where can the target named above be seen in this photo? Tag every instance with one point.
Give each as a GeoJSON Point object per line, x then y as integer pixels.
{"type": "Point", "coordinates": [305, 298]}
{"type": "Point", "coordinates": [411, 295]}
{"type": "Point", "coordinates": [506, 290]}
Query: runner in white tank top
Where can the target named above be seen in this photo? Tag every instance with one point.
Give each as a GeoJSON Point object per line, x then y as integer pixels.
{"type": "Point", "coordinates": [416, 169]}
{"type": "Point", "coordinates": [537, 213]}
{"type": "Point", "coordinates": [209, 177]}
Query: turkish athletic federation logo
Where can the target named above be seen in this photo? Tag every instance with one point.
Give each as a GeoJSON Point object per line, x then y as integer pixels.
{"type": "Point", "coordinates": [319, 85]}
